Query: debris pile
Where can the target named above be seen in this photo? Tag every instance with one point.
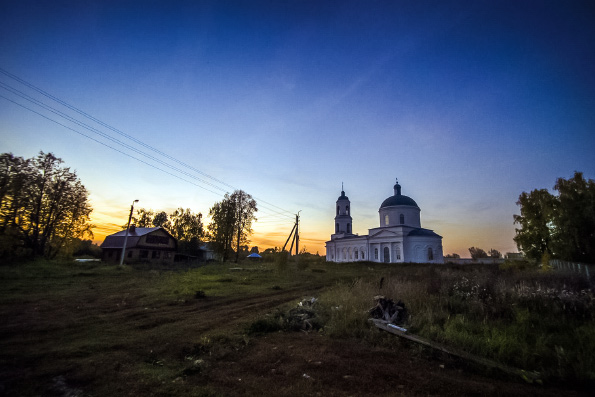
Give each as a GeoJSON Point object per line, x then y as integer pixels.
{"type": "Point", "coordinates": [303, 317]}
{"type": "Point", "coordinates": [389, 311]}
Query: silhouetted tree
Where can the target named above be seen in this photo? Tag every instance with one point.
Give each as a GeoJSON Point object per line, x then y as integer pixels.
{"type": "Point", "coordinates": [43, 206]}
{"type": "Point", "coordinates": [231, 222]}
{"type": "Point", "coordinates": [477, 253]}
{"type": "Point", "coordinates": [162, 220]}
{"type": "Point", "coordinates": [494, 254]}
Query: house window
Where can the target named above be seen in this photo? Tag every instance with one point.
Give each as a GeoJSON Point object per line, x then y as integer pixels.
{"type": "Point", "coordinates": [430, 254]}
{"type": "Point", "coordinates": [402, 219]}
{"type": "Point", "coordinates": [155, 254]}
{"type": "Point", "coordinates": [386, 220]}
{"type": "Point", "coordinates": [144, 254]}
{"type": "Point", "coordinates": [356, 252]}
{"type": "Point", "coordinates": [386, 255]}
{"type": "Point", "coordinates": [375, 253]}
{"type": "Point", "coordinates": [130, 254]}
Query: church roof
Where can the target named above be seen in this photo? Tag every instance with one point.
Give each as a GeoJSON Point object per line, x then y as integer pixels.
{"type": "Point", "coordinates": [398, 199]}
{"type": "Point", "coordinates": [343, 196]}
{"type": "Point", "coordinates": [423, 232]}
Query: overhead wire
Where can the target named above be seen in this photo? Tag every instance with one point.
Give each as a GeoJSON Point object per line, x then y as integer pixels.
{"type": "Point", "coordinates": [136, 140]}
{"type": "Point", "coordinates": [15, 91]}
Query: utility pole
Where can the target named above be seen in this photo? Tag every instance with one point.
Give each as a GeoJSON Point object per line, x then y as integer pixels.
{"type": "Point", "coordinates": [297, 233]}
{"type": "Point", "coordinates": [126, 235]}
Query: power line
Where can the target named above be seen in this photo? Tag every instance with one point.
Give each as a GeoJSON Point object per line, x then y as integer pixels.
{"type": "Point", "coordinates": [85, 114]}
{"type": "Point", "coordinates": [118, 142]}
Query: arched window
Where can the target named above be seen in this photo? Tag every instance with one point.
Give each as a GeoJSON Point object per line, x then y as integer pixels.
{"type": "Point", "coordinates": [375, 253]}
{"type": "Point", "coordinates": [336, 228]}
{"type": "Point", "coordinates": [337, 210]}
{"type": "Point", "coordinates": [386, 255]}
{"type": "Point", "coordinates": [386, 220]}
{"type": "Point", "coordinates": [349, 228]}
{"type": "Point", "coordinates": [398, 254]}
{"type": "Point", "coordinates": [347, 209]}
{"type": "Point", "coordinates": [402, 219]}
{"type": "Point", "coordinates": [430, 254]}
{"type": "Point", "coordinates": [355, 253]}
{"type": "Point", "coordinates": [363, 257]}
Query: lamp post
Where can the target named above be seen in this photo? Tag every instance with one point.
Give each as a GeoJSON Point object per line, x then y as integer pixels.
{"type": "Point", "coordinates": [126, 235]}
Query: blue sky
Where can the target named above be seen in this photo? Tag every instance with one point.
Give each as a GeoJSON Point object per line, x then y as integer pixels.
{"type": "Point", "coordinates": [468, 103]}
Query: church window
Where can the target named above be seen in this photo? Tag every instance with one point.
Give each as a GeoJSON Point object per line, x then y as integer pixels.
{"type": "Point", "coordinates": [375, 253]}
{"type": "Point", "coordinates": [336, 228]}
{"type": "Point", "coordinates": [430, 254]}
{"type": "Point", "coordinates": [386, 220]}
{"type": "Point", "coordinates": [349, 228]}
{"type": "Point", "coordinates": [347, 209]}
{"type": "Point", "coordinates": [402, 219]}
{"type": "Point", "coordinates": [398, 254]}
{"type": "Point", "coordinates": [363, 257]}
{"type": "Point", "coordinates": [356, 252]}
{"type": "Point", "coordinates": [386, 255]}
{"type": "Point", "coordinates": [337, 210]}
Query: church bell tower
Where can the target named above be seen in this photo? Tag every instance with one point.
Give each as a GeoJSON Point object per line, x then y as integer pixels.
{"type": "Point", "coordinates": [343, 222]}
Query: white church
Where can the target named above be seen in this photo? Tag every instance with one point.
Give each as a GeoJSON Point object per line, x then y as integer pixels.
{"type": "Point", "coordinates": [399, 238]}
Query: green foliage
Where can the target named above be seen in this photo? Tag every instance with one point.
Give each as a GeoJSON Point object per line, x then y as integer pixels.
{"type": "Point", "coordinates": [43, 207]}
{"type": "Point", "coordinates": [231, 222]}
{"type": "Point", "coordinates": [562, 226]}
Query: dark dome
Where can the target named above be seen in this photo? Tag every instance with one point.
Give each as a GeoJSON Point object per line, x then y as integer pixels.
{"type": "Point", "coordinates": [399, 200]}
{"type": "Point", "coordinates": [343, 196]}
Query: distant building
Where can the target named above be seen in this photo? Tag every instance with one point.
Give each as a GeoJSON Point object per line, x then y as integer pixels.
{"type": "Point", "coordinates": [399, 238]}
{"type": "Point", "coordinates": [144, 244]}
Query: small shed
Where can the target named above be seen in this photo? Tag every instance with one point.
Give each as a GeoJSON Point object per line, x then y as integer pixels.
{"type": "Point", "coordinates": [254, 257]}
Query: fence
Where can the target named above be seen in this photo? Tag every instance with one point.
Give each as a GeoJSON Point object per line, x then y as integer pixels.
{"type": "Point", "coordinates": [582, 268]}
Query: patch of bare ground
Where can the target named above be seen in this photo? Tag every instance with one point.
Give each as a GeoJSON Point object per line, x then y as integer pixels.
{"type": "Point", "coordinates": [299, 364]}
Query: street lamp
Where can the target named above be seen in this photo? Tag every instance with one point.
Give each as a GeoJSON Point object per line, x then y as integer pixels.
{"type": "Point", "coordinates": [126, 235]}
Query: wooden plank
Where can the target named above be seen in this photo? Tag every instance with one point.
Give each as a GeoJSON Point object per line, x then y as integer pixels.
{"type": "Point", "coordinates": [526, 375]}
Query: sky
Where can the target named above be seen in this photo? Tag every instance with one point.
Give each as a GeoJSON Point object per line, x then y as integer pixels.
{"type": "Point", "coordinates": [174, 103]}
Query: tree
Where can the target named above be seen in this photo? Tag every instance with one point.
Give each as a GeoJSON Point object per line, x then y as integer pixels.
{"type": "Point", "coordinates": [477, 253]}
{"type": "Point", "coordinates": [561, 226]}
{"type": "Point", "coordinates": [231, 222]}
{"type": "Point", "coordinates": [162, 220]}
{"type": "Point", "coordinates": [453, 256]}
{"type": "Point", "coordinates": [188, 228]}
{"type": "Point", "coordinates": [537, 223]}
{"type": "Point", "coordinates": [144, 218]}
{"type": "Point", "coordinates": [494, 254]}
{"type": "Point", "coordinates": [574, 238]}
{"type": "Point", "coordinates": [43, 207]}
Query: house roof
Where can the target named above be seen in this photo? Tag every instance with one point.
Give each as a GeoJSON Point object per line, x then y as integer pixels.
{"type": "Point", "coordinates": [116, 240]}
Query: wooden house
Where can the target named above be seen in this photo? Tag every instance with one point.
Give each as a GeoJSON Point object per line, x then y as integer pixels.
{"type": "Point", "coordinates": [144, 244]}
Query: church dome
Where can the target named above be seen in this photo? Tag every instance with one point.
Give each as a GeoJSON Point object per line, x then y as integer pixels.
{"type": "Point", "coordinates": [398, 199]}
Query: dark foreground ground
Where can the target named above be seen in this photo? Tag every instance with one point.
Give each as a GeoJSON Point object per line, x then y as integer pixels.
{"type": "Point", "coordinates": [97, 332]}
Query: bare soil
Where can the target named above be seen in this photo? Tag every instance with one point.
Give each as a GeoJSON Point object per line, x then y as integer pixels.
{"type": "Point", "coordinates": [82, 336]}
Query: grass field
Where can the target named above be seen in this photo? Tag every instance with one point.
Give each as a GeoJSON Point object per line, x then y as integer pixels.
{"type": "Point", "coordinates": [88, 329]}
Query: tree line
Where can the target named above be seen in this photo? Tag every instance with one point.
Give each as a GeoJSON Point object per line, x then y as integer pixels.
{"type": "Point", "coordinates": [558, 226]}
{"type": "Point", "coordinates": [45, 211]}
{"type": "Point", "coordinates": [230, 226]}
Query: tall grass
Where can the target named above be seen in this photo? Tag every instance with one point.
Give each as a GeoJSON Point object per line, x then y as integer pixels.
{"type": "Point", "coordinates": [534, 320]}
